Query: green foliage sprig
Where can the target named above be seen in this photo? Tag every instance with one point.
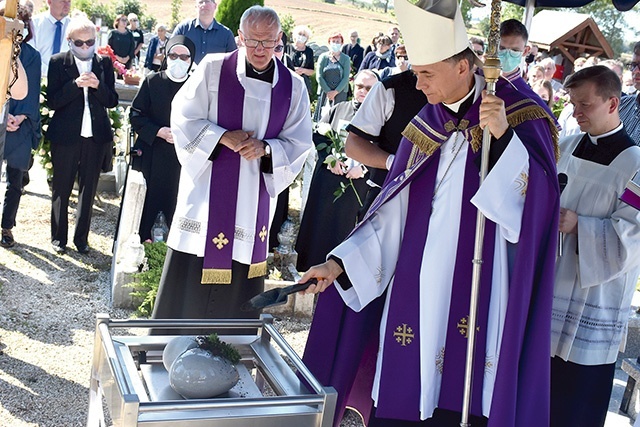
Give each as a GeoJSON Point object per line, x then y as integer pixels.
{"type": "Point", "coordinates": [147, 282]}
{"type": "Point", "coordinates": [229, 12]}
{"type": "Point", "coordinates": [213, 345]}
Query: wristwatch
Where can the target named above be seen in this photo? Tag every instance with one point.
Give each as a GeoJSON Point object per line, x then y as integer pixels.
{"type": "Point", "coordinates": [267, 149]}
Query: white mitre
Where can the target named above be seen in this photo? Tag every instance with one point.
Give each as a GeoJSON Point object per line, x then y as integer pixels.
{"type": "Point", "coordinates": [433, 30]}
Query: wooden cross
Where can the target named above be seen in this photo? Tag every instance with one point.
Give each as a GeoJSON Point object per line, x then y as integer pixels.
{"type": "Point", "coordinates": [220, 240]}
{"type": "Point", "coordinates": [10, 27]}
{"type": "Point", "coordinates": [403, 335]}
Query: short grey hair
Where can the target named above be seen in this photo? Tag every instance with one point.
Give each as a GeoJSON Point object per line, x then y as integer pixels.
{"type": "Point", "coordinates": [262, 14]}
{"type": "Point", "coordinates": [80, 23]}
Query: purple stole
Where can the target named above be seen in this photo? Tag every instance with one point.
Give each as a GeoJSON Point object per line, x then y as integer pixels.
{"type": "Point", "coordinates": [225, 175]}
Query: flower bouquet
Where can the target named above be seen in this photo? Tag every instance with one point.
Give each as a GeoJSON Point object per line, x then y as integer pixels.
{"type": "Point", "coordinates": [336, 155]}
{"type": "Point", "coordinates": [108, 51]}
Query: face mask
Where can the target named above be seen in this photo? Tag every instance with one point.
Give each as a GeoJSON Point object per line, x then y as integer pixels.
{"type": "Point", "coordinates": [335, 47]}
{"type": "Point", "coordinates": [177, 69]}
{"type": "Point", "coordinates": [509, 59]}
{"type": "Point", "coordinates": [80, 53]}
{"type": "Point", "coordinates": [301, 39]}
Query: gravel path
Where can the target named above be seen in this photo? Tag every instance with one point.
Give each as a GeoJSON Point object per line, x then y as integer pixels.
{"type": "Point", "coordinates": [48, 305]}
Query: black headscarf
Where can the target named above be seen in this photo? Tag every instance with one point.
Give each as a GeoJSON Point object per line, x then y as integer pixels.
{"type": "Point", "coordinates": [175, 40]}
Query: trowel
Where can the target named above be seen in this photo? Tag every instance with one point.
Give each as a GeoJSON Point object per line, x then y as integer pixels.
{"type": "Point", "coordinates": [275, 296]}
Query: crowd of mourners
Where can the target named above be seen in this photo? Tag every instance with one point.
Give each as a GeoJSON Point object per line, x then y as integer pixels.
{"type": "Point", "coordinates": [388, 132]}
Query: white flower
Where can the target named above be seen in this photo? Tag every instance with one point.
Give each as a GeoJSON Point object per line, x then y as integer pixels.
{"type": "Point", "coordinates": [45, 127]}
{"type": "Point", "coordinates": [41, 98]}
{"type": "Point", "coordinates": [45, 111]}
{"type": "Point", "coordinates": [119, 132]}
{"type": "Point", "coordinates": [48, 165]}
{"type": "Point", "coordinates": [116, 139]}
{"type": "Point", "coordinates": [323, 128]}
{"type": "Point", "coordinates": [42, 152]}
{"type": "Point", "coordinates": [111, 120]}
{"type": "Point", "coordinates": [50, 113]}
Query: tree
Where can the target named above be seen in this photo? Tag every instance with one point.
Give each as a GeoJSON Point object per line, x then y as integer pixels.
{"type": "Point", "coordinates": [230, 11]}
{"type": "Point", "coordinates": [95, 10]}
{"type": "Point", "coordinates": [175, 12]}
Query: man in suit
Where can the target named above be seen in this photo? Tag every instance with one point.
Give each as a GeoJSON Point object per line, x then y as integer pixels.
{"type": "Point", "coordinates": [49, 29]}
{"type": "Point", "coordinates": [80, 89]}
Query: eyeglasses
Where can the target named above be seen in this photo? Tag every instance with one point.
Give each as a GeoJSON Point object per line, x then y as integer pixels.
{"type": "Point", "coordinates": [182, 56]}
{"type": "Point", "coordinates": [278, 48]}
{"type": "Point", "coordinates": [479, 52]}
{"type": "Point", "coordinates": [133, 20]}
{"type": "Point", "coordinates": [405, 57]}
{"type": "Point", "coordinates": [89, 43]}
{"type": "Point", "coordinates": [632, 66]}
{"type": "Point", "coordinates": [360, 86]}
{"type": "Point", "coordinates": [267, 44]}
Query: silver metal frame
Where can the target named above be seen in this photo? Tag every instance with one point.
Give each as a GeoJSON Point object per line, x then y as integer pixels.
{"type": "Point", "coordinates": [115, 376]}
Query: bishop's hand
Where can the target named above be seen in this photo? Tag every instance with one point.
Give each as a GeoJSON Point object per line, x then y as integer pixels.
{"type": "Point", "coordinates": [493, 114]}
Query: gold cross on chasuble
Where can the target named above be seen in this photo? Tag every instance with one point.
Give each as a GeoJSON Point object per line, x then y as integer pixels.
{"type": "Point", "coordinates": [463, 326]}
{"type": "Point", "coordinates": [404, 335]}
{"type": "Point", "coordinates": [220, 241]}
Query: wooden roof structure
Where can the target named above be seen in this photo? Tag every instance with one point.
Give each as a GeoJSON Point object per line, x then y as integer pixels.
{"type": "Point", "coordinates": [572, 34]}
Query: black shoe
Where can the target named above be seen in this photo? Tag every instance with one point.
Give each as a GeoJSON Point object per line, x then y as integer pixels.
{"type": "Point", "coordinates": [83, 249]}
{"type": "Point", "coordinates": [7, 239]}
{"type": "Point", "coordinates": [58, 248]}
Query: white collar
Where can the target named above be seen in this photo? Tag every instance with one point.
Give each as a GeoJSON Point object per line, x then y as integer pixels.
{"type": "Point", "coordinates": [456, 105]}
{"type": "Point", "coordinates": [594, 139]}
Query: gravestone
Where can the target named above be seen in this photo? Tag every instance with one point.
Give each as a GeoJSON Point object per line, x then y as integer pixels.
{"type": "Point", "coordinates": [130, 215]}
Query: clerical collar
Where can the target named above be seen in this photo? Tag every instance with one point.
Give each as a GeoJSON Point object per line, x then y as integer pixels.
{"type": "Point", "coordinates": [611, 145]}
{"type": "Point", "coordinates": [455, 107]}
{"type": "Point", "coordinates": [594, 138]}
{"type": "Point", "coordinates": [265, 75]}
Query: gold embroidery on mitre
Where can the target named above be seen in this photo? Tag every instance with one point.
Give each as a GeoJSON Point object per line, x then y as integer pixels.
{"type": "Point", "coordinates": [404, 335]}
{"type": "Point", "coordinates": [263, 233]}
{"type": "Point", "coordinates": [521, 183]}
{"type": "Point", "coordinates": [257, 270]}
{"type": "Point", "coordinates": [427, 145]}
{"type": "Point", "coordinates": [215, 276]}
{"type": "Point", "coordinates": [463, 326]}
{"type": "Point", "coordinates": [449, 126]}
{"type": "Point", "coordinates": [220, 240]}
{"type": "Point", "coordinates": [440, 361]}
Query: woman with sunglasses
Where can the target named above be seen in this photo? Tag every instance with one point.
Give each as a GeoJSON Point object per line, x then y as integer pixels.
{"type": "Point", "coordinates": [150, 114]}
{"type": "Point", "coordinates": [80, 90]}
{"type": "Point", "coordinates": [122, 42]}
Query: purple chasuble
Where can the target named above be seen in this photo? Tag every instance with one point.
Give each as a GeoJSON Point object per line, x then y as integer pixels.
{"type": "Point", "coordinates": [335, 350]}
{"type": "Point", "coordinates": [225, 175]}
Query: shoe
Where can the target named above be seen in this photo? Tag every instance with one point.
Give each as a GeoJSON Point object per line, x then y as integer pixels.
{"type": "Point", "coordinates": [58, 248]}
{"type": "Point", "coordinates": [7, 239]}
{"type": "Point", "coordinates": [83, 249]}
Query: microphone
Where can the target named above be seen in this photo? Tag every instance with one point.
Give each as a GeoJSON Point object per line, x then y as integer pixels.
{"type": "Point", "coordinates": [562, 180]}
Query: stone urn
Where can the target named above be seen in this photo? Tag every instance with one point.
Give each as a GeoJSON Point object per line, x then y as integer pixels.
{"type": "Point", "coordinates": [200, 367]}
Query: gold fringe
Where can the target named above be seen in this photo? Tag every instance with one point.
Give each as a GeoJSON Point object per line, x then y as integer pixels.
{"type": "Point", "coordinates": [215, 276]}
{"type": "Point", "coordinates": [419, 139]}
{"type": "Point", "coordinates": [532, 112]}
{"type": "Point", "coordinates": [257, 270]}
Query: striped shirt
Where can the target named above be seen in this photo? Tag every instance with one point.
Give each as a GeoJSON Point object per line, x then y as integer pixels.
{"type": "Point", "coordinates": [630, 116]}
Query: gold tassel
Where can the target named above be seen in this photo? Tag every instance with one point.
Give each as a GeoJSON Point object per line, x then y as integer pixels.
{"type": "Point", "coordinates": [257, 270]}
{"type": "Point", "coordinates": [214, 276]}
{"type": "Point", "coordinates": [419, 139]}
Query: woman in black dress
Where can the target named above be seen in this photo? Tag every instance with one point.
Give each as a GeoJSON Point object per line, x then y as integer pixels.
{"type": "Point", "coordinates": [302, 55]}
{"type": "Point", "coordinates": [150, 118]}
{"type": "Point", "coordinates": [121, 41]}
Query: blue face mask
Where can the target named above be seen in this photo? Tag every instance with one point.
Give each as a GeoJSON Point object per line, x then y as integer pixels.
{"type": "Point", "coordinates": [509, 59]}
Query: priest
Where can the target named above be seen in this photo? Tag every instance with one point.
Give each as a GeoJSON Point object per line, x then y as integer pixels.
{"type": "Point", "coordinates": [597, 273]}
{"type": "Point", "coordinates": [397, 353]}
{"type": "Point", "coordinates": [242, 131]}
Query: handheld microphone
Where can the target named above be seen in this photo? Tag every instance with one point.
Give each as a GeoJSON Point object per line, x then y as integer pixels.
{"type": "Point", "coordinates": [563, 179]}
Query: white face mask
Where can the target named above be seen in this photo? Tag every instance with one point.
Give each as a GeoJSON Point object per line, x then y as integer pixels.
{"type": "Point", "coordinates": [177, 69]}
{"type": "Point", "coordinates": [301, 39]}
{"type": "Point", "coordinates": [335, 47]}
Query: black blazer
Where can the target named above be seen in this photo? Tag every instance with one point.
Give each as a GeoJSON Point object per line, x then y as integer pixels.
{"type": "Point", "coordinates": [67, 100]}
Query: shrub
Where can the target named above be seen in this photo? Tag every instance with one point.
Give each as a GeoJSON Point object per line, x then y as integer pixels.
{"type": "Point", "coordinates": [230, 11]}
